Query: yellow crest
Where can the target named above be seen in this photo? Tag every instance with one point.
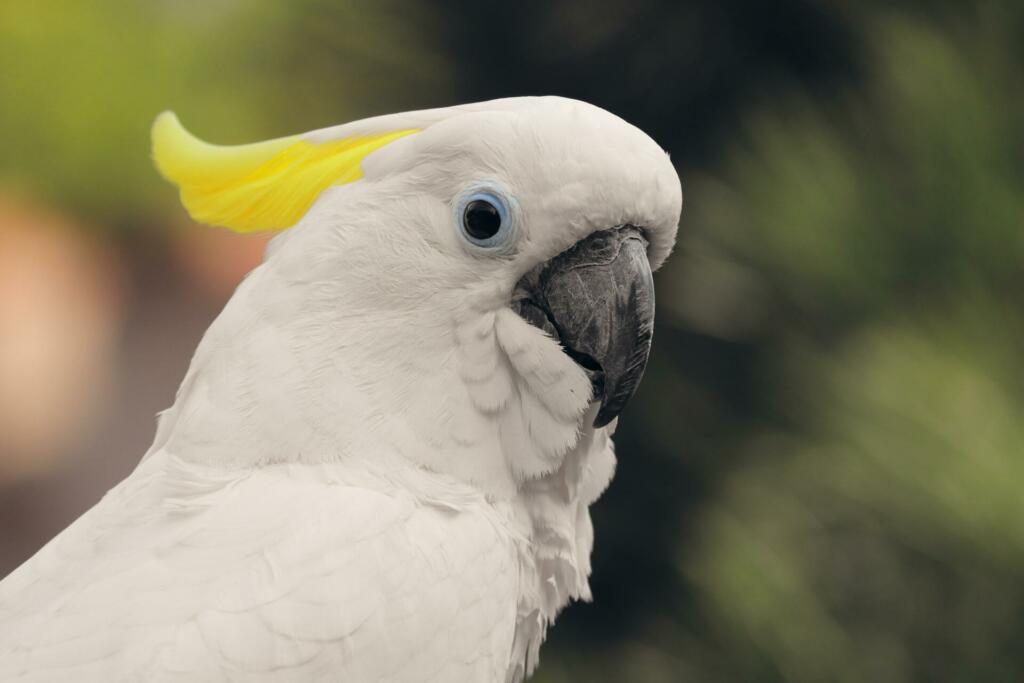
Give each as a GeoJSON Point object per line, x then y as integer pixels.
{"type": "Point", "coordinates": [263, 186]}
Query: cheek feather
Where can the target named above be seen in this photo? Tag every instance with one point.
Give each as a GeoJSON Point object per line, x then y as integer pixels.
{"type": "Point", "coordinates": [551, 395]}
{"type": "Point", "coordinates": [560, 384]}
{"type": "Point", "coordinates": [519, 377]}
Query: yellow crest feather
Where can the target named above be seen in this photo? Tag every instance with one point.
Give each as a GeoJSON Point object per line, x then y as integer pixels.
{"type": "Point", "coordinates": [262, 186]}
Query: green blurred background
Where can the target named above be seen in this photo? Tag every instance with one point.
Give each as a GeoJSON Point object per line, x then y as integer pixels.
{"type": "Point", "coordinates": [820, 478]}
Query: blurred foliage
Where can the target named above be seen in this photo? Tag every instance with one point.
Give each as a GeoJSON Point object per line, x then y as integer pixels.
{"type": "Point", "coordinates": [868, 251]}
{"type": "Point", "coordinates": [81, 82]}
{"type": "Point", "coordinates": [818, 478]}
{"type": "Point", "coordinates": [681, 71]}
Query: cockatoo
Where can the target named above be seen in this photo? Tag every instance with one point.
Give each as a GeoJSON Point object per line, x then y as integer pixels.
{"type": "Point", "coordinates": [379, 464]}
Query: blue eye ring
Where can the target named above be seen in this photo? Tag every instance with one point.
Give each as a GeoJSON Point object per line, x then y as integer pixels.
{"type": "Point", "coordinates": [487, 218]}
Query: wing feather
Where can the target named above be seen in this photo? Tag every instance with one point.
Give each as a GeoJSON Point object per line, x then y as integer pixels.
{"type": "Point", "coordinates": [282, 573]}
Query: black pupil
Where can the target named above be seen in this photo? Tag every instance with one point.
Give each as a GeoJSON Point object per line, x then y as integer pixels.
{"type": "Point", "coordinates": [481, 219]}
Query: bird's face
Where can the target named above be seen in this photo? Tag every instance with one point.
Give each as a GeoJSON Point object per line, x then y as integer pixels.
{"type": "Point", "coordinates": [556, 212]}
{"type": "Point", "coordinates": [483, 276]}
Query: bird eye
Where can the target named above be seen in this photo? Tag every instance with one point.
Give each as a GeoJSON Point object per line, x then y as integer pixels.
{"type": "Point", "coordinates": [481, 220]}
{"type": "Point", "coordinates": [485, 219]}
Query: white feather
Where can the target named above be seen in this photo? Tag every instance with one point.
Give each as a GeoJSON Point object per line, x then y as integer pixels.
{"type": "Point", "coordinates": [373, 470]}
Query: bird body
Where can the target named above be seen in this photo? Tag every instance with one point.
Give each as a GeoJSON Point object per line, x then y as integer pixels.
{"type": "Point", "coordinates": [284, 572]}
{"type": "Point", "coordinates": [380, 462]}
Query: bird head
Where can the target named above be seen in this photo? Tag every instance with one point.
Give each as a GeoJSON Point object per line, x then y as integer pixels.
{"type": "Point", "coordinates": [468, 287]}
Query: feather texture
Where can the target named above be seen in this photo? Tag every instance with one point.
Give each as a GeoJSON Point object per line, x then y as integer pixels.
{"type": "Point", "coordinates": [260, 186]}
{"type": "Point", "coordinates": [281, 573]}
{"type": "Point", "coordinates": [374, 470]}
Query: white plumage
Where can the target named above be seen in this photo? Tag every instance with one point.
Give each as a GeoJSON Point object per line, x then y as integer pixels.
{"type": "Point", "coordinates": [374, 469]}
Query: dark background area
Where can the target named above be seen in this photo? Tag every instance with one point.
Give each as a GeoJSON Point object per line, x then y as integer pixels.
{"type": "Point", "coordinates": [819, 477]}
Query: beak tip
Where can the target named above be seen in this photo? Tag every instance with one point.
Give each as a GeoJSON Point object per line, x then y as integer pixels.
{"type": "Point", "coordinates": [603, 419]}
{"type": "Point", "coordinates": [611, 408]}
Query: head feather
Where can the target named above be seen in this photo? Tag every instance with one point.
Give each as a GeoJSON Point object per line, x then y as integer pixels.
{"type": "Point", "coordinates": [261, 186]}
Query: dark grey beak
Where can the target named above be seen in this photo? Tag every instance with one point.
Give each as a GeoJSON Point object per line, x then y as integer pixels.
{"type": "Point", "coordinates": [597, 299]}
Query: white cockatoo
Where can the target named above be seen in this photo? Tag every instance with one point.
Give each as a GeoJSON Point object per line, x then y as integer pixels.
{"type": "Point", "coordinates": [379, 464]}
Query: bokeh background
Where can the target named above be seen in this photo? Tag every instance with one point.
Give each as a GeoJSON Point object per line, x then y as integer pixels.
{"type": "Point", "coordinates": [821, 476]}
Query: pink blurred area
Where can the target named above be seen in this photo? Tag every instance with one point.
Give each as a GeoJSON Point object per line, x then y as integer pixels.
{"type": "Point", "coordinates": [96, 330]}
